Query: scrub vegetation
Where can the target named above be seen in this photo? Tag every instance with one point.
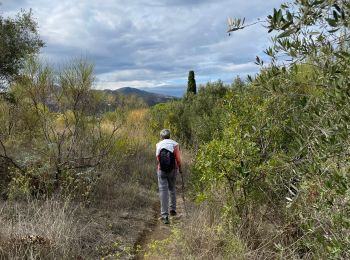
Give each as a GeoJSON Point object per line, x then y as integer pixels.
{"type": "Point", "coordinates": [269, 156]}
{"type": "Point", "coordinates": [77, 180]}
{"type": "Point", "coordinates": [271, 167]}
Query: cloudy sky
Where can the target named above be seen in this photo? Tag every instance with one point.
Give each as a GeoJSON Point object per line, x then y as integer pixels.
{"type": "Point", "coordinates": [150, 43]}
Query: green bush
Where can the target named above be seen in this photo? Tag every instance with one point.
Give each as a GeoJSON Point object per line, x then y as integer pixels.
{"type": "Point", "coordinates": [195, 119]}
{"type": "Point", "coordinates": [275, 152]}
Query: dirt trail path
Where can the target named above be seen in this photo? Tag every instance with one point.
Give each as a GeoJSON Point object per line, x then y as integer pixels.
{"type": "Point", "coordinates": [157, 230]}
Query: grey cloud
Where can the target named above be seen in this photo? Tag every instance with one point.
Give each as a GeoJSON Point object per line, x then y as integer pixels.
{"type": "Point", "coordinates": [10, 5]}
{"type": "Point", "coordinates": [154, 40]}
{"type": "Point", "coordinates": [179, 2]}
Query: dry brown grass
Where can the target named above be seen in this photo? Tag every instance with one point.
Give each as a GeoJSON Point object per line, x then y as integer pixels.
{"type": "Point", "coordinates": [52, 229]}
{"type": "Point", "coordinates": [119, 208]}
{"type": "Point", "coordinates": [108, 224]}
{"type": "Point", "coordinates": [204, 236]}
{"type": "Point", "coordinates": [39, 230]}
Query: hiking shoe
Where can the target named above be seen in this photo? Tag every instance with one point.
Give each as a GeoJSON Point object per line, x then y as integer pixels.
{"type": "Point", "coordinates": [165, 220]}
{"type": "Point", "coordinates": [172, 212]}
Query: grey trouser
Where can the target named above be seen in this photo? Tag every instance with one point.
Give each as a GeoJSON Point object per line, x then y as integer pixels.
{"type": "Point", "coordinates": [166, 184]}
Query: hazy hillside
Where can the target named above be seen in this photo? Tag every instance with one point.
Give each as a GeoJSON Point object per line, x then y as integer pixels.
{"type": "Point", "coordinates": [148, 97]}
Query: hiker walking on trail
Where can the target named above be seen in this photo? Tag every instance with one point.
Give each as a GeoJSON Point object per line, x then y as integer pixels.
{"type": "Point", "coordinates": [169, 162]}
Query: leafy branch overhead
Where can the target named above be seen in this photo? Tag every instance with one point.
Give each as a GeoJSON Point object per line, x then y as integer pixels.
{"type": "Point", "coordinates": [235, 24]}
{"type": "Point", "coordinates": [304, 29]}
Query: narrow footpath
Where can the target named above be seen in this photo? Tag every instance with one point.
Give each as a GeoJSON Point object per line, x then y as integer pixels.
{"type": "Point", "coordinates": [157, 230]}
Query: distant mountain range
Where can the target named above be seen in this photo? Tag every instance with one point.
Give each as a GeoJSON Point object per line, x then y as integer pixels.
{"type": "Point", "coordinates": [168, 90]}
{"type": "Point", "coordinates": [148, 97]}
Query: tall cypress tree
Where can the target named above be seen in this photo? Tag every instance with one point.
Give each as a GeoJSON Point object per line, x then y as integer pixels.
{"type": "Point", "coordinates": [191, 83]}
